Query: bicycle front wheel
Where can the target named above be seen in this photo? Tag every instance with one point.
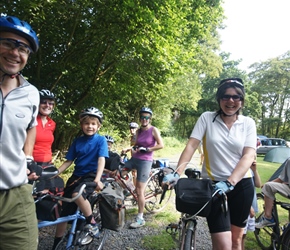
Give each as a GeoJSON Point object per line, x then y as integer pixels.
{"type": "Point", "coordinates": [153, 192]}
{"type": "Point", "coordinates": [62, 244]}
{"type": "Point", "coordinates": [189, 242]}
{"type": "Point", "coordinates": [267, 237]}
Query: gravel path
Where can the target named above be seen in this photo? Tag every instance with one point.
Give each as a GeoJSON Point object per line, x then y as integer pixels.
{"type": "Point", "coordinates": [131, 239]}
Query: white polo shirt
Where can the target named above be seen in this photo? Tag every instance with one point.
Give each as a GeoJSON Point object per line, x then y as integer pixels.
{"type": "Point", "coordinates": [223, 147]}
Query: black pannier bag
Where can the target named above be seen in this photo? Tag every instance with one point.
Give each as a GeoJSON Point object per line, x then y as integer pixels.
{"type": "Point", "coordinates": [192, 195]}
{"type": "Point", "coordinates": [112, 207]}
{"type": "Point", "coordinates": [113, 162]}
{"type": "Point", "coordinates": [47, 209]}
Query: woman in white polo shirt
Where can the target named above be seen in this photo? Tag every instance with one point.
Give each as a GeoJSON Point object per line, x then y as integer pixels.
{"type": "Point", "coordinates": [229, 141]}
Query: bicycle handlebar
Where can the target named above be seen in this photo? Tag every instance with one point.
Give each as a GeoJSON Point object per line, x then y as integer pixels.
{"type": "Point", "coordinates": [69, 200]}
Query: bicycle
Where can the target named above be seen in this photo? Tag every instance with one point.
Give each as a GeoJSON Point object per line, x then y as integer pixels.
{"type": "Point", "coordinates": [153, 189]}
{"type": "Point", "coordinates": [76, 237]}
{"type": "Point", "coordinates": [277, 236]}
{"type": "Point", "coordinates": [184, 232]}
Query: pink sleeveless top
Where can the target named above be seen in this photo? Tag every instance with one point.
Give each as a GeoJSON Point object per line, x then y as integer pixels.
{"type": "Point", "coordinates": [145, 139]}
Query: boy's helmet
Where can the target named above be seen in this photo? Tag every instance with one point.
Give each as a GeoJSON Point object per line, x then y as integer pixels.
{"type": "Point", "coordinates": [109, 138]}
{"type": "Point", "coordinates": [146, 110]}
{"type": "Point", "coordinates": [133, 125]}
{"type": "Point", "coordinates": [46, 94]}
{"type": "Point", "coordinates": [92, 111]}
{"type": "Point", "coordinates": [14, 25]}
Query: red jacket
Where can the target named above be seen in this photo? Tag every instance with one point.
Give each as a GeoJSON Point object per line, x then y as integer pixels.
{"type": "Point", "coordinates": [44, 139]}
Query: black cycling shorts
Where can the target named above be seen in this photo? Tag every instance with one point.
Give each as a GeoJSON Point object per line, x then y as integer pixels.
{"type": "Point", "coordinates": [239, 204]}
{"type": "Point", "coordinates": [74, 185]}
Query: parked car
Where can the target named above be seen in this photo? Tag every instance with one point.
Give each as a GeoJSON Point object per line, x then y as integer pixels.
{"type": "Point", "coordinates": [270, 143]}
{"type": "Point", "coordinates": [262, 137]}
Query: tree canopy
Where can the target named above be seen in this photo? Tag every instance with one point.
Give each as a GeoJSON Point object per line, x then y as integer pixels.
{"type": "Point", "coordinates": [121, 55]}
{"type": "Point", "coordinates": [271, 80]}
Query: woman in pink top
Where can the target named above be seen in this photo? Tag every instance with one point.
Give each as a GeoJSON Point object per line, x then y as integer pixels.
{"type": "Point", "coordinates": [148, 139]}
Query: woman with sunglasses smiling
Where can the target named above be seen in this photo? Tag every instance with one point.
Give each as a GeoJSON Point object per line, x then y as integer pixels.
{"type": "Point", "coordinates": [148, 140]}
{"type": "Point", "coordinates": [45, 128]}
{"type": "Point", "coordinates": [229, 143]}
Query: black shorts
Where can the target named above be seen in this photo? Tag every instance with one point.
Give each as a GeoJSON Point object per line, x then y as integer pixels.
{"type": "Point", "coordinates": [74, 185]}
{"type": "Point", "coordinates": [239, 203]}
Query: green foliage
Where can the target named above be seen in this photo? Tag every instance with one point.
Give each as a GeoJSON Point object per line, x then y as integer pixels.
{"type": "Point", "coordinates": [120, 56]}
{"type": "Point", "coordinates": [187, 115]}
{"type": "Point", "coordinates": [271, 82]}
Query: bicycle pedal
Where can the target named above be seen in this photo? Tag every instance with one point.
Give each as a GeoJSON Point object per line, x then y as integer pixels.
{"type": "Point", "coordinates": [87, 239]}
{"type": "Point", "coordinates": [172, 228]}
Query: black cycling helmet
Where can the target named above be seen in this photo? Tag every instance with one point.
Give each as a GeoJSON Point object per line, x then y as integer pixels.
{"type": "Point", "coordinates": [230, 82]}
{"type": "Point", "coordinates": [46, 94]}
{"type": "Point", "coordinates": [237, 82]}
{"type": "Point", "coordinates": [133, 125]}
{"type": "Point", "coordinates": [92, 111]}
{"type": "Point", "coordinates": [109, 138]}
{"type": "Point", "coordinates": [146, 110]}
{"type": "Point", "coordinates": [14, 25]}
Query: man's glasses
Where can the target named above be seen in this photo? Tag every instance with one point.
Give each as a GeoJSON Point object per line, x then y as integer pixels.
{"type": "Point", "coordinates": [144, 117]}
{"type": "Point", "coordinates": [47, 102]}
{"type": "Point", "coordinates": [236, 98]}
{"type": "Point", "coordinates": [11, 44]}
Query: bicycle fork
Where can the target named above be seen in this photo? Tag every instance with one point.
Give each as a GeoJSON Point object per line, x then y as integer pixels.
{"type": "Point", "coordinates": [188, 225]}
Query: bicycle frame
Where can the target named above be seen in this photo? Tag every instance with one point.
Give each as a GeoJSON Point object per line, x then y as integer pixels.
{"type": "Point", "coordinates": [119, 178]}
{"type": "Point", "coordinates": [152, 192]}
{"type": "Point", "coordinates": [74, 218]}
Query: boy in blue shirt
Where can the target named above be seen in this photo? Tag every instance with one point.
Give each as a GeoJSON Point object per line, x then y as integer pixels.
{"type": "Point", "coordinates": [88, 153]}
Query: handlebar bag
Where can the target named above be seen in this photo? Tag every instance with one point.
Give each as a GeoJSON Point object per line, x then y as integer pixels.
{"type": "Point", "coordinates": [192, 195]}
{"type": "Point", "coordinates": [112, 207]}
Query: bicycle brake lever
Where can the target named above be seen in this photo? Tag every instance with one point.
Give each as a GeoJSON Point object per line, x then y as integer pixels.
{"type": "Point", "coordinates": [163, 193]}
{"type": "Point", "coordinates": [224, 205]}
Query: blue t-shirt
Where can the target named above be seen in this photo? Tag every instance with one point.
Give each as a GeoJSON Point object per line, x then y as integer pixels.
{"type": "Point", "coordinates": [85, 152]}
